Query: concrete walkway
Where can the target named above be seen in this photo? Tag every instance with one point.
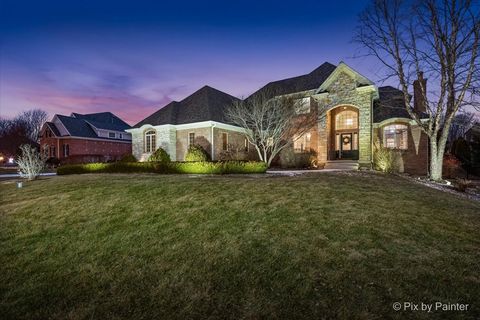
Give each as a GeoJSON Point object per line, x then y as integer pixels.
{"type": "Point", "coordinates": [300, 172]}
{"type": "Point", "coordinates": [17, 175]}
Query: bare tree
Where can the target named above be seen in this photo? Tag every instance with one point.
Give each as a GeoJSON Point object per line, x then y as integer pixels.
{"type": "Point", "coordinates": [31, 162]}
{"type": "Point", "coordinates": [461, 123]}
{"type": "Point", "coordinates": [33, 120]}
{"type": "Point", "coordinates": [271, 124]}
{"type": "Point", "coordinates": [438, 39]}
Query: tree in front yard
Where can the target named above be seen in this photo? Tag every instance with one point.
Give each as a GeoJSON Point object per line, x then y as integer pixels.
{"type": "Point", "coordinates": [31, 162]}
{"type": "Point", "coordinates": [271, 123]}
{"type": "Point", "coordinates": [435, 39]}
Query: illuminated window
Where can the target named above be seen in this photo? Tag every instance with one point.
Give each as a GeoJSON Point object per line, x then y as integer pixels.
{"type": "Point", "coordinates": [302, 144]}
{"type": "Point", "coordinates": [191, 138]}
{"type": "Point", "coordinates": [150, 141]}
{"type": "Point", "coordinates": [395, 136]}
{"type": "Point", "coordinates": [347, 119]}
{"type": "Point", "coordinates": [224, 141]}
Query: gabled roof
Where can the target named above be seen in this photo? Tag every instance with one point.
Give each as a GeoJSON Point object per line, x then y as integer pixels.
{"type": "Point", "coordinates": [309, 81]}
{"type": "Point", "coordinates": [103, 120]}
{"type": "Point", "coordinates": [53, 128]}
{"type": "Point", "coordinates": [77, 127]}
{"type": "Point", "coordinates": [205, 104]}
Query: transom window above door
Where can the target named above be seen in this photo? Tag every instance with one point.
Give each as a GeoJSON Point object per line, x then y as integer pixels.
{"type": "Point", "coordinates": [347, 119]}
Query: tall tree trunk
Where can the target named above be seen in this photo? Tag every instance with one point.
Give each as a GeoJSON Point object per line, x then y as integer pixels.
{"type": "Point", "coordinates": [437, 151]}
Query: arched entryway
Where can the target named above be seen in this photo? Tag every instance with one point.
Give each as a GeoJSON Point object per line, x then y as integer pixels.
{"type": "Point", "coordinates": [344, 133]}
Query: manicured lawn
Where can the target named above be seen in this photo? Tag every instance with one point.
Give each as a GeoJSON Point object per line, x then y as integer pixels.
{"type": "Point", "coordinates": [161, 247]}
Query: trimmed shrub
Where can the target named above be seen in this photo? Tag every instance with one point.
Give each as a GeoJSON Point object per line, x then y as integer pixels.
{"type": "Point", "coordinates": [196, 153]}
{"type": "Point", "coordinates": [128, 158]}
{"type": "Point", "coordinates": [160, 155]}
{"type": "Point", "coordinates": [202, 167]}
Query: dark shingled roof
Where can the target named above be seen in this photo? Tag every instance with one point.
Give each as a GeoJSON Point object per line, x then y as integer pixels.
{"type": "Point", "coordinates": [103, 120]}
{"type": "Point", "coordinates": [389, 105]}
{"type": "Point", "coordinates": [77, 127]}
{"type": "Point", "coordinates": [206, 104]}
{"type": "Point", "coordinates": [309, 81]}
{"type": "Point", "coordinates": [54, 129]}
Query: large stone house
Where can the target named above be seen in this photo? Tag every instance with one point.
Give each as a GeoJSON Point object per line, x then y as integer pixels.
{"type": "Point", "coordinates": [94, 137]}
{"type": "Point", "coordinates": [352, 114]}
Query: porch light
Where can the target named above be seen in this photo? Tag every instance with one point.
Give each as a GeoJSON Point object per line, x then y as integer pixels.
{"type": "Point", "coordinates": [1, 158]}
{"type": "Point", "coordinates": [10, 160]}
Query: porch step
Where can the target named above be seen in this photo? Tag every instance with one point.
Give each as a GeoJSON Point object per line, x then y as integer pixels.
{"type": "Point", "coordinates": [342, 165]}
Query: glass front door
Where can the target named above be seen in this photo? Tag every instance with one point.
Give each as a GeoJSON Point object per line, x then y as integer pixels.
{"type": "Point", "coordinates": [347, 145]}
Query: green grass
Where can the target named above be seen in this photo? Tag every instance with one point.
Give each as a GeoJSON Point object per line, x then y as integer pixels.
{"type": "Point", "coordinates": [151, 246]}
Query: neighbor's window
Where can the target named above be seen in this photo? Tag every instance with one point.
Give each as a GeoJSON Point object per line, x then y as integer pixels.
{"type": "Point", "coordinates": [302, 106]}
{"type": "Point", "coordinates": [150, 141]}
{"type": "Point", "coordinates": [302, 144]}
{"type": "Point", "coordinates": [120, 135]}
{"type": "Point", "coordinates": [191, 138]}
{"type": "Point", "coordinates": [395, 136]}
{"type": "Point", "coordinates": [111, 134]}
{"type": "Point", "coordinates": [52, 151]}
{"type": "Point", "coordinates": [66, 150]}
{"type": "Point", "coordinates": [224, 141]}
{"type": "Point", "coordinates": [347, 119]}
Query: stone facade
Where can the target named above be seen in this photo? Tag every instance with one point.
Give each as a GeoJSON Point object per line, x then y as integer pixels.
{"type": "Point", "coordinates": [175, 140]}
{"type": "Point", "coordinates": [165, 137]}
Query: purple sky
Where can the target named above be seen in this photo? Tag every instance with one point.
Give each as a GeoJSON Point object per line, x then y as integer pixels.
{"type": "Point", "coordinates": [131, 58]}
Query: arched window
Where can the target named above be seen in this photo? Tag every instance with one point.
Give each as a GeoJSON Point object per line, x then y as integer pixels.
{"type": "Point", "coordinates": [347, 119]}
{"type": "Point", "coordinates": [150, 141]}
{"type": "Point", "coordinates": [395, 136]}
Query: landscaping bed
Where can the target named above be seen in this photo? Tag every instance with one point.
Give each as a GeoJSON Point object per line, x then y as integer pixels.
{"type": "Point", "coordinates": [199, 167]}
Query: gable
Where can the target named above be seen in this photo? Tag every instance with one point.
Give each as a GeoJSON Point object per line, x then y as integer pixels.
{"type": "Point", "coordinates": [343, 76]}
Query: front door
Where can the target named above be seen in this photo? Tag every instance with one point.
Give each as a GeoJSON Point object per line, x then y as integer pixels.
{"type": "Point", "coordinates": [345, 146]}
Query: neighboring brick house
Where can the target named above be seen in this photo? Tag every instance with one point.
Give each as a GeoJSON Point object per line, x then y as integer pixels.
{"type": "Point", "coordinates": [352, 112]}
{"type": "Point", "coordinates": [85, 138]}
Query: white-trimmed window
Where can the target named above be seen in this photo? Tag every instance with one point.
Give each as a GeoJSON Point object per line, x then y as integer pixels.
{"type": "Point", "coordinates": [224, 141]}
{"type": "Point", "coordinates": [302, 106]}
{"type": "Point", "coordinates": [395, 136]}
{"type": "Point", "coordinates": [191, 138]}
{"type": "Point", "coordinates": [302, 143]}
{"type": "Point", "coordinates": [150, 141]}
{"type": "Point", "coordinates": [111, 134]}
{"type": "Point", "coordinates": [66, 150]}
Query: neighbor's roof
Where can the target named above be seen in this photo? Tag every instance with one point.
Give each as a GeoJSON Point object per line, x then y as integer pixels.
{"type": "Point", "coordinates": [206, 104]}
{"type": "Point", "coordinates": [309, 81]}
{"type": "Point", "coordinates": [80, 125]}
{"type": "Point", "coordinates": [103, 120]}
{"type": "Point", "coordinates": [54, 129]}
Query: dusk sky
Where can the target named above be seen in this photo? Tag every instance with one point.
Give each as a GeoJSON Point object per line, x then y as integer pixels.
{"type": "Point", "coordinates": [133, 57]}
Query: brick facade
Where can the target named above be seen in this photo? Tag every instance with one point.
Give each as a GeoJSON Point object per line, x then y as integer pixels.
{"type": "Point", "coordinates": [84, 150]}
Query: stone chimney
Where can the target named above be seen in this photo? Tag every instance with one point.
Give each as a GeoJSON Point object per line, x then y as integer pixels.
{"type": "Point", "coordinates": [418, 103]}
